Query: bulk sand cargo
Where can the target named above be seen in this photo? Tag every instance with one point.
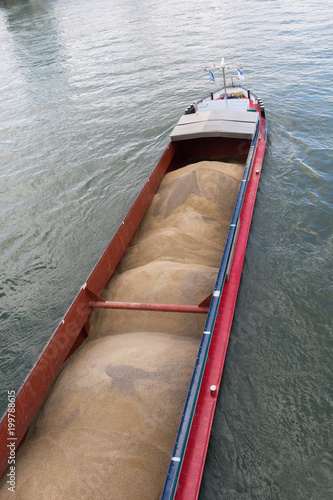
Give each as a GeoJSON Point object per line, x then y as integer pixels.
{"type": "Point", "coordinates": [121, 401]}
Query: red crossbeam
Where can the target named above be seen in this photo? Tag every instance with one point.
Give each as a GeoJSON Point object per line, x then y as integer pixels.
{"type": "Point", "coordinates": [141, 306]}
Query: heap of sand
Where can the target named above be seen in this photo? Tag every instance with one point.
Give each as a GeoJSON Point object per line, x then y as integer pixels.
{"type": "Point", "coordinates": [177, 251]}
{"type": "Point", "coordinates": [108, 425]}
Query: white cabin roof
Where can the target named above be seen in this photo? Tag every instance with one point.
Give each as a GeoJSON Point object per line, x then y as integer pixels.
{"type": "Point", "coordinates": [211, 122]}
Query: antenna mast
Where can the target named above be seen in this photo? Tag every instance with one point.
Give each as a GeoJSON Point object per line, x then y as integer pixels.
{"type": "Point", "coordinates": [225, 86]}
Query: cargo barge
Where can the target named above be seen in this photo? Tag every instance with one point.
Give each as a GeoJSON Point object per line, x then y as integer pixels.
{"type": "Point", "coordinates": [183, 240]}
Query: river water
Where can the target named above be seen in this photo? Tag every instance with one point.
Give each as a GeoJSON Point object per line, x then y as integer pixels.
{"type": "Point", "coordinates": [89, 92]}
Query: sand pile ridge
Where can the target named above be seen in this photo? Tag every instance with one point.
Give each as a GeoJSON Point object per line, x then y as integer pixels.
{"type": "Point", "coordinates": [108, 425]}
